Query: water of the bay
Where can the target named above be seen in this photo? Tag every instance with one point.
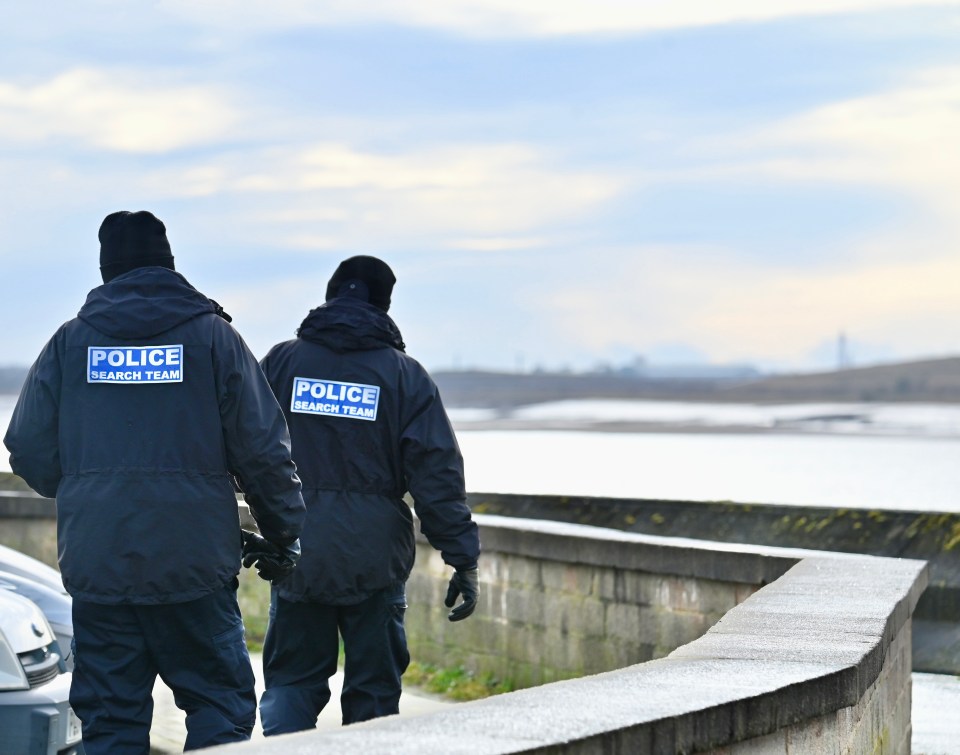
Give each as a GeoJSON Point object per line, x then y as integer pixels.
{"type": "Point", "coordinates": [898, 458]}
{"type": "Point", "coordinates": [849, 472]}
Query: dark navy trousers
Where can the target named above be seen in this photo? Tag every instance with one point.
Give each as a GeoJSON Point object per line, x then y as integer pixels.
{"type": "Point", "coordinates": [197, 648]}
{"type": "Point", "coordinates": [300, 655]}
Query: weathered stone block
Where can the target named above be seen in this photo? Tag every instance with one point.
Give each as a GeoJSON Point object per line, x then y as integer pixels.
{"type": "Point", "coordinates": [562, 652]}
{"type": "Point", "coordinates": [525, 608]}
{"type": "Point", "coordinates": [34, 536]}
{"type": "Point", "coordinates": [624, 586]}
{"type": "Point", "coordinates": [516, 571]}
{"type": "Point", "coordinates": [674, 629]}
{"type": "Point", "coordinates": [713, 598]}
{"type": "Point", "coordinates": [575, 615]}
{"type": "Point", "coordinates": [765, 745]}
{"type": "Point", "coordinates": [527, 647]}
{"type": "Point", "coordinates": [623, 621]}
{"type": "Point", "coordinates": [817, 737]}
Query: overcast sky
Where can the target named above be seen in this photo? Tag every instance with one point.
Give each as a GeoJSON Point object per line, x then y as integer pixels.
{"type": "Point", "coordinates": [555, 183]}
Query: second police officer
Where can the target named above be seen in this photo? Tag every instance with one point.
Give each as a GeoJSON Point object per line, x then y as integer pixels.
{"type": "Point", "coordinates": [367, 425]}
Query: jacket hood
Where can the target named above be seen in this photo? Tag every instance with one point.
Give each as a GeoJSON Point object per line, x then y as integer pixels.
{"type": "Point", "coordinates": [345, 324]}
{"type": "Point", "coordinates": [143, 303]}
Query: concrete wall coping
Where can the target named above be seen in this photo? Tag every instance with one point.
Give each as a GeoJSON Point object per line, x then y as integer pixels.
{"type": "Point", "coordinates": [810, 643]}
{"type": "Point", "coordinates": [26, 505]}
{"type": "Point", "coordinates": [656, 554]}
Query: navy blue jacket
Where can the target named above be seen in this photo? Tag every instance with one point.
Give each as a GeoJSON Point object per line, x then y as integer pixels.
{"type": "Point", "coordinates": [367, 425]}
{"type": "Point", "coordinates": [143, 472]}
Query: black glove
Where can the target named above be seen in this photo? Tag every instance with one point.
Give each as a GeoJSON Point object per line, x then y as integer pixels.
{"type": "Point", "coordinates": [274, 562]}
{"type": "Point", "coordinates": [465, 582]}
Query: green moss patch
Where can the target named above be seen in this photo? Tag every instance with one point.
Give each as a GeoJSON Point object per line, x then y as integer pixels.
{"type": "Point", "coordinates": [457, 683]}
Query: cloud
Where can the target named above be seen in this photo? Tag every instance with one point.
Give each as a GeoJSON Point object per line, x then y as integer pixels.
{"type": "Point", "coordinates": [904, 138]}
{"type": "Point", "coordinates": [263, 326]}
{"type": "Point", "coordinates": [499, 243]}
{"type": "Point", "coordinates": [522, 18]}
{"type": "Point", "coordinates": [737, 312]}
{"type": "Point", "coordinates": [336, 194]}
{"type": "Point", "coordinates": [913, 304]}
{"type": "Point", "coordinates": [119, 112]}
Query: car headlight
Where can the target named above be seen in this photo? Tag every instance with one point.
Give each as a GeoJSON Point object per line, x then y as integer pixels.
{"type": "Point", "coordinates": [12, 675]}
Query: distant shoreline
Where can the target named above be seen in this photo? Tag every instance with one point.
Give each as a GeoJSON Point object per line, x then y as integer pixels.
{"type": "Point", "coordinates": [930, 381]}
{"type": "Point", "coordinates": [679, 428]}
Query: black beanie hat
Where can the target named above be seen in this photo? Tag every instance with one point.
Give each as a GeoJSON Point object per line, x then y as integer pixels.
{"type": "Point", "coordinates": [129, 240]}
{"type": "Point", "coordinates": [375, 275]}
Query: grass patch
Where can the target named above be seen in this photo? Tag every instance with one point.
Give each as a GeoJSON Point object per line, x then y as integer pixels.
{"type": "Point", "coordinates": [457, 683]}
{"type": "Point", "coordinates": [255, 631]}
{"type": "Point", "coordinates": [253, 595]}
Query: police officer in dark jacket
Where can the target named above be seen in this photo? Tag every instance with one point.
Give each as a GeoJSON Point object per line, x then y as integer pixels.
{"type": "Point", "coordinates": [367, 425]}
{"type": "Point", "coordinates": [138, 416]}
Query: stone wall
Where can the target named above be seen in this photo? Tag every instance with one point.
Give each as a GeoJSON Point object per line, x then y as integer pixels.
{"type": "Point", "coordinates": [817, 660]}
{"type": "Point", "coordinates": [556, 606]}
{"type": "Point", "coordinates": [922, 535]}
{"type": "Point", "coordinates": [28, 524]}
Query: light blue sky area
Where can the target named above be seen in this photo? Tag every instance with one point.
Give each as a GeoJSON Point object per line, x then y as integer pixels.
{"type": "Point", "coordinates": [715, 188]}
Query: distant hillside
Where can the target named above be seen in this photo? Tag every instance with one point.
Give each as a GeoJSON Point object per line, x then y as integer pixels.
{"type": "Point", "coordinates": [931, 380]}
{"type": "Point", "coordinates": [504, 390]}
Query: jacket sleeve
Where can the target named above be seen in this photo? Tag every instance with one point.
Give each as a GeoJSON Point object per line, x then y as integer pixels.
{"type": "Point", "coordinates": [256, 439]}
{"type": "Point", "coordinates": [433, 467]}
{"type": "Point", "coordinates": [33, 437]}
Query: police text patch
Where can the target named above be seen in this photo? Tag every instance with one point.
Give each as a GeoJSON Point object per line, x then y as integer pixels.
{"type": "Point", "coordinates": [335, 399]}
{"type": "Point", "coordinates": [135, 364]}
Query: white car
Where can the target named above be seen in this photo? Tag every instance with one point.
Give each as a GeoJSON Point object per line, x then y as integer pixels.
{"type": "Point", "coordinates": [35, 713]}
{"type": "Point", "coordinates": [42, 584]}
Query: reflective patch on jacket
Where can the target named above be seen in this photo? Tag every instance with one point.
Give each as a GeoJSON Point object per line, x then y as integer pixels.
{"type": "Point", "coordinates": [332, 398]}
{"type": "Point", "coordinates": [135, 364]}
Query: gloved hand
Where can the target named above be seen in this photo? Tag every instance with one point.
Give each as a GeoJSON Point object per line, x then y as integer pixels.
{"type": "Point", "coordinates": [274, 562]}
{"type": "Point", "coordinates": [465, 582]}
